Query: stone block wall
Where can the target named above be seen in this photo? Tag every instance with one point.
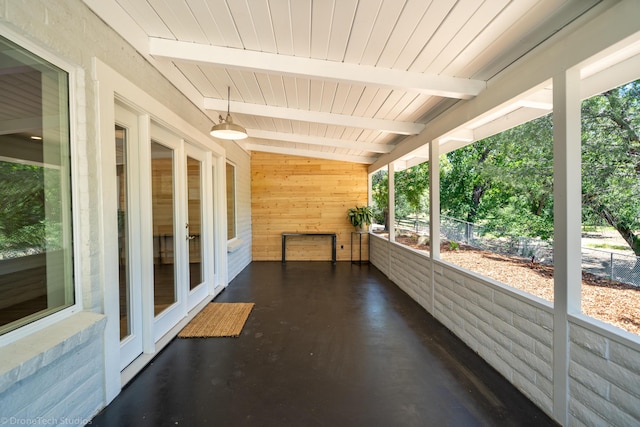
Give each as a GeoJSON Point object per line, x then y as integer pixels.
{"type": "Point", "coordinates": [412, 273]}
{"type": "Point", "coordinates": [604, 378]}
{"type": "Point", "coordinates": [379, 253]}
{"type": "Point", "coordinates": [514, 334]}
{"type": "Point", "coordinates": [55, 376]}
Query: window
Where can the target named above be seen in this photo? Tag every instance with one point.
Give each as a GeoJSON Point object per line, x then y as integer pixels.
{"type": "Point", "coordinates": [36, 276]}
{"type": "Point", "coordinates": [231, 201]}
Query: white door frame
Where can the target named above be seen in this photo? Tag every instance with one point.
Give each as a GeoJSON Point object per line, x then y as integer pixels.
{"type": "Point", "coordinates": [111, 85]}
{"type": "Point", "coordinates": [200, 292]}
{"type": "Point", "coordinates": [132, 345]}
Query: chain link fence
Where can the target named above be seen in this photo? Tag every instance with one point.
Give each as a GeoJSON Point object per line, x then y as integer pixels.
{"type": "Point", "coordinates": [610, 265]}
{"type": "Point", "coordinates": [475, 235]}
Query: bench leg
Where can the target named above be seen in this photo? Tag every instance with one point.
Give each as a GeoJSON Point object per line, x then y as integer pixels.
{"type": "Point", "coordinates": [333, 249]}
{"type": "Point", "coordinates": [284, 249]}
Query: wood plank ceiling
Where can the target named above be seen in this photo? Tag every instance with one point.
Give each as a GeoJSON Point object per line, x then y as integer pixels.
{"type": "Point", "coordinates": [335, 79]}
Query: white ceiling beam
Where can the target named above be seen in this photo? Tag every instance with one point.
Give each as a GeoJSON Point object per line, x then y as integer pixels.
{"type": "Point", "coordinates": [610, 77]}
{"type": "Point", "coordinates": [401, 128]}
{"type": "Point", "coordinates": [414, 161]}
{"type": "Point", "coordinates": [315, 140]}
{"type": "Point", "coordinates": [462, 135]}
{"type": "Point", "coordinates": [429, 84]}
{"type": "Point", "coordinates": [308, 153]}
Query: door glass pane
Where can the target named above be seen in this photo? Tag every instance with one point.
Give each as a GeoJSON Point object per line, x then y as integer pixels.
{"type": "Point", "coordinates": [123, 232]}
{"type": "Point", "coordinates": [162, 194]}
{"type": "Point", "coordinates": [194, 180]}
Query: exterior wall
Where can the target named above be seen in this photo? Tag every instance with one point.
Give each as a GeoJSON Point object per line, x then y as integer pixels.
{"type": "Point", "coordinates": [240, 256]}
{"type": "Point", "coordinates": [55, 375]}
{"type": "Point", "coordinates": [379, 253]}
{"type": "Point", "coordinates": [411, 271]}
{"type": "Point", "coordinates": [298, 194]}
{"type": "Point", "coordinates": [57, 372]}
{"type": "Point", "coordinates": [604, 377]}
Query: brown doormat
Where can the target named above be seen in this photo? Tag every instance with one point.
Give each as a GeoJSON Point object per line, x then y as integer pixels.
{"type": "Point", "coordinates": [218, 320]}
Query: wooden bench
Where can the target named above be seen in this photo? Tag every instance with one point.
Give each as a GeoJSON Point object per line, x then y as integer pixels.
{"type": "Point", "coordinates": [284, 243]}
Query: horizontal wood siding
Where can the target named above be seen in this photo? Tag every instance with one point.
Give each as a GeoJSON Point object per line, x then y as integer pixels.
{"type": "Point", "coordinates": [299, 194]}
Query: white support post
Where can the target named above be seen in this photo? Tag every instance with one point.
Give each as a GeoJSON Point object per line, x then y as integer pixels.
{"type": "Point", "coordinates": [434, 199]}
{"type": "Point", "coordinates": [392, 202]}
{"type": "Point", "coordinates": [369, 189]}
{"type": "Point", "coordinates": [434, 213]}
{"type": "Point", "coordinates": [567, 226]}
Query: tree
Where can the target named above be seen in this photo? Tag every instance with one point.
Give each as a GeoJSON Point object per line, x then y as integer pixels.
{"type": "Point", "coordinates": [523, 172]}
{"type": "Point", "coordinates": [611, 160]}
{"type": "Point", "coordinates": [412, 185]}
{"type": "Point", "coordinates": [504, 181]}
{"type": "Point", "coordinates": [380, 196]}
{"type": "Point", "coordinates": [462, 182]}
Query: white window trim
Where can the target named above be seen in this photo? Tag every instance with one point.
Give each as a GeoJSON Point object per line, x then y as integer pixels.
{"type": "Point", "coordinates": [234, 241]}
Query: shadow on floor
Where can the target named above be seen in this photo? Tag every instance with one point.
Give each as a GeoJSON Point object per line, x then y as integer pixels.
{"type": "Point", "coordinates": [324, 346]}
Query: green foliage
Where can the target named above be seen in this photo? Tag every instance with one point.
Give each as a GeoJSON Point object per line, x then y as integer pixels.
{"type": "Point", "coordinates": [22, 210]}
{"type": "Point", "coordinates": [360, 215]}
{"type": "Point", "coordinates": [412, 187]}
{"type": "Point", "coordinates": [504, 181]}
{"type": "Point", "coordinates": [607, 246]}
{"type": "Point", "coordinates": [380, 195]}
{"type": "Point", "coordinates": [611, 160]}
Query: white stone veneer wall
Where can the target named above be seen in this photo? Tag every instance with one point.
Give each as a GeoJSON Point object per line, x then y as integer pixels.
{"type": "Point", "coordinates": [379, 253]}
{"type": "Point", "coordinates": [411, 271]}
{"type": "Point", "coordinates": [55, 376]}
{"type": "Point", "coordinates": [604, 377]}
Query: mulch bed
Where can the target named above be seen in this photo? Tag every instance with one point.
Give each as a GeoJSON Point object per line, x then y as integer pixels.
{"type": "Point", "coordinates": [612, 302]}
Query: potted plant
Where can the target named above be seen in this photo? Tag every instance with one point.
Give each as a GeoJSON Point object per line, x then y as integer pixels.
{"type": "Point", "coordinates": [360, 217]}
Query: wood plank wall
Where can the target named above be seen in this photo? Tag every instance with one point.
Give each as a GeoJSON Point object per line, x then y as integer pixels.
{"type": "Point", "coordinates": [299, 194]}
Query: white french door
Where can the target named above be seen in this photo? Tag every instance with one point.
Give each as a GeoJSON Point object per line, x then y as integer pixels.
{"type": "Point", "coordinates": [167, 217]}
{"type": "Point", "coordinates": [196, 225]}
{"type": "Point", "coordinates": [162, 230]}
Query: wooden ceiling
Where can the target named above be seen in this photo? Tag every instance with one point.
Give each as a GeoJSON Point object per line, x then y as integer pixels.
{"type": "Point", "coordinates": [334, 79]}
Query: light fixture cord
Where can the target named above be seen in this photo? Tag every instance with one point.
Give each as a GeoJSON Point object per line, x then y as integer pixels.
{"type": "Point", "coordinates": [228, 100]}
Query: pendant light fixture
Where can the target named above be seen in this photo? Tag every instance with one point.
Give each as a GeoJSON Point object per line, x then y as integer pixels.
{"type": "Point", "coordinates": [226, 129]}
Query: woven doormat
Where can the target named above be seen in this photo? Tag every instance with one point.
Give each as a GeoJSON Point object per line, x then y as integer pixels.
{"type": "Point", "coordinates": [218, 320]}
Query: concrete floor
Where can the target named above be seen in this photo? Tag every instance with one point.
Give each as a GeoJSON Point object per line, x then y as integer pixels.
{"type": "Point", "coordinates": [324, 346]}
